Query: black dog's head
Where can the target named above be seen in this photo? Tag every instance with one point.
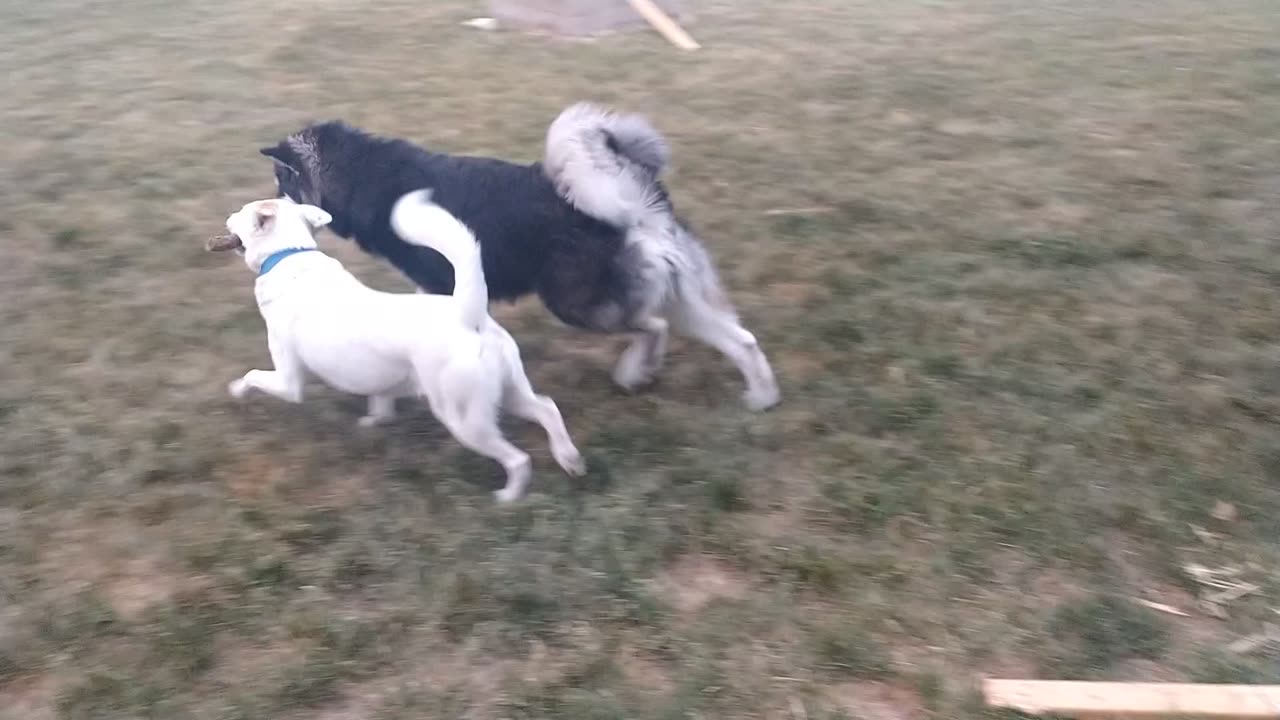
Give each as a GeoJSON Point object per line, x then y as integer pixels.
{"type": "Point", "coordinates": [294, 175]}
{"type": "Point", "coordinates": [311, 168]}
{"type": "Point", "coordinates": [302, 159]}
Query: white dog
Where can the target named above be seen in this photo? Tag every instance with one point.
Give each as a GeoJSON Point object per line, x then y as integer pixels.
{"type": "Point", "coordinates": [322, 321]}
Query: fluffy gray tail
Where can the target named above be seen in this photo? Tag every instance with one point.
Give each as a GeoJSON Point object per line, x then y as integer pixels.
{"type": "Point", "coordinates": [418, 221]}
{"type": "Point", "coordinates": [606, 164]}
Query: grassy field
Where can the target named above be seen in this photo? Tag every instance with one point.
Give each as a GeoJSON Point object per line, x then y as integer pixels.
{"type": "Point", "coordinates": [1015, 263]}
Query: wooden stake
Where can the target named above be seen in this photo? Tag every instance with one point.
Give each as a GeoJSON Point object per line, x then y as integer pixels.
{"type": "Point", "coordinates": [663, 23]}
{"type": "Point", "coordinates": [1134, 700]}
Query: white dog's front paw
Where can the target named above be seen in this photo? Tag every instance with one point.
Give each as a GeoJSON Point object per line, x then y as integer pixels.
{"type": "Point", "coordinates": [762, 399]}
{"type": "Point", "coordinates": [507, 495]}
{"type": "Point", "coordinates": [372, 421]}
{"type": "Point", "coordinates": [238, 388]}
{"type": "Point", "coordinates": [572, 461]}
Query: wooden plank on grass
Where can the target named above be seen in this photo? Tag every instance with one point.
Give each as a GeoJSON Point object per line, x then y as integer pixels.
{"type": "Point", "coordinates": [663, 23]}
{"type": "Point", "coordinates": [1134, 700]}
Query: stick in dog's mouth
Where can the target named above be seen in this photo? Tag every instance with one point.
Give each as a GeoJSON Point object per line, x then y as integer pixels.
{"type": "Point", "coordinates": [219, 243]}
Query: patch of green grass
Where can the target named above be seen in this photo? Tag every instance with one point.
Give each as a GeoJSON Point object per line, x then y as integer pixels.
{"type": "Point", "coordinates": [15, 657]}
{"type": "Point", "coordinates": [182, 638]}
{"type": "Point", "coordinates": [270, 573]}
{"type": "Point", "coordinates": [970, 561]}
{"type": "Point", "coordinates": [943, 365]}
{"type": "Point", "coordinates": [843, 333]}
{"type": "Point", "coordinates": [848, 650]}
{"type": "Point", "coordinates": [1215, 665]}
{"type": "Point", "coordinates": [1018, 300]}
{"type": "Point", "coordinates": [1096, 632]}
{"type": "Point", "coordinates": [633, 441]}
{"type": "Point", "coordinates": [314, 530]}
{"type": "Point", "coordinates": [83, 618]}
{"type": "Point", "coordinates": [863, 505]}
{"type": "Point", "coordinates": [726, 494]}
{"type": "Point", "coordinates": [890, 415]}
{"type": "Point", "coordinates": [311, 682]}
{"type": "Point", "coordinates": [99, 695]}
{"type": "Point", "coordinates": [583, 691]}
{"type": "Point", "coordinates": [812, 566]}
{"type": "Point", "coordinates": [1041, 252]}
{"type": "Point", "coordinates": [931, 688]}
{"type": "Point", "coordinates": [65, 238]}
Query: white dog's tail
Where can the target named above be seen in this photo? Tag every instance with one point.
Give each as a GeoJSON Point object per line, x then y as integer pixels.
{"type": "Point", "coordinates": [606, 164]}
{"type": "Point", "coordinates": [419, 221]}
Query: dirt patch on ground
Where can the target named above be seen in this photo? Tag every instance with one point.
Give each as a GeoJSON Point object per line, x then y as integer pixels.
{"type": "Point", "coordinates": [694, 582]}
{"type": "Point", "coordinates": [254, 477]}
{"type": "Point", "coordinates": [642, 673]}
{"type": "Point", "coordinates": [30, 697]}
{"type": "Point", "coordinates": [875, 701]}
{"type": "Point", "coordinates": [114, 559]}
{"type": "Point", "coordinates": [138, 586]}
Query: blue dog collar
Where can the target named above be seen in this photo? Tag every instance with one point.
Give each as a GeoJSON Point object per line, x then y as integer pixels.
{"type": "Point", "coordinates": [274, 259]}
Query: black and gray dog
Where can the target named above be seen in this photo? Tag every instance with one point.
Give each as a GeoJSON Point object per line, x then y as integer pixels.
{"type": "Point", "coordinates": [591, 230]}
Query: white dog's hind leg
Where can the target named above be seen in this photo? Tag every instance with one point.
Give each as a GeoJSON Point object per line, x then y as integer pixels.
{"type": "Point", "coordinates": [483, 436]}
{"type": "Point", "coordinates": [471, 415]}
{"type": "Point", "coordinates": [520, 400]}
{"type": "Point", "coordinates": [382, 410]}
{"type": "Point", "coordinates": [523, 402]}
{"type": "Point", "coordinates": [642, 359]}
{"type": "Point", "coordinates": [722, 331]}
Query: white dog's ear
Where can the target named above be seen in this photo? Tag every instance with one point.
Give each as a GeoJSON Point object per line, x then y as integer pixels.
{"type": "Point", "coordinates": [264, 215]}
{"type": "Point", "coordinates": [315, 217]}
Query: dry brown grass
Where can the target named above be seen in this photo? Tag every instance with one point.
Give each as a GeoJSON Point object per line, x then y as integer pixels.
{"type": "Point", "coordinates": [1026, 344]}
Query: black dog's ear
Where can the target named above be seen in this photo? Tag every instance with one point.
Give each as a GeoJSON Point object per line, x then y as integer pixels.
{"type": "Point", "coordinates": [282, 154]}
